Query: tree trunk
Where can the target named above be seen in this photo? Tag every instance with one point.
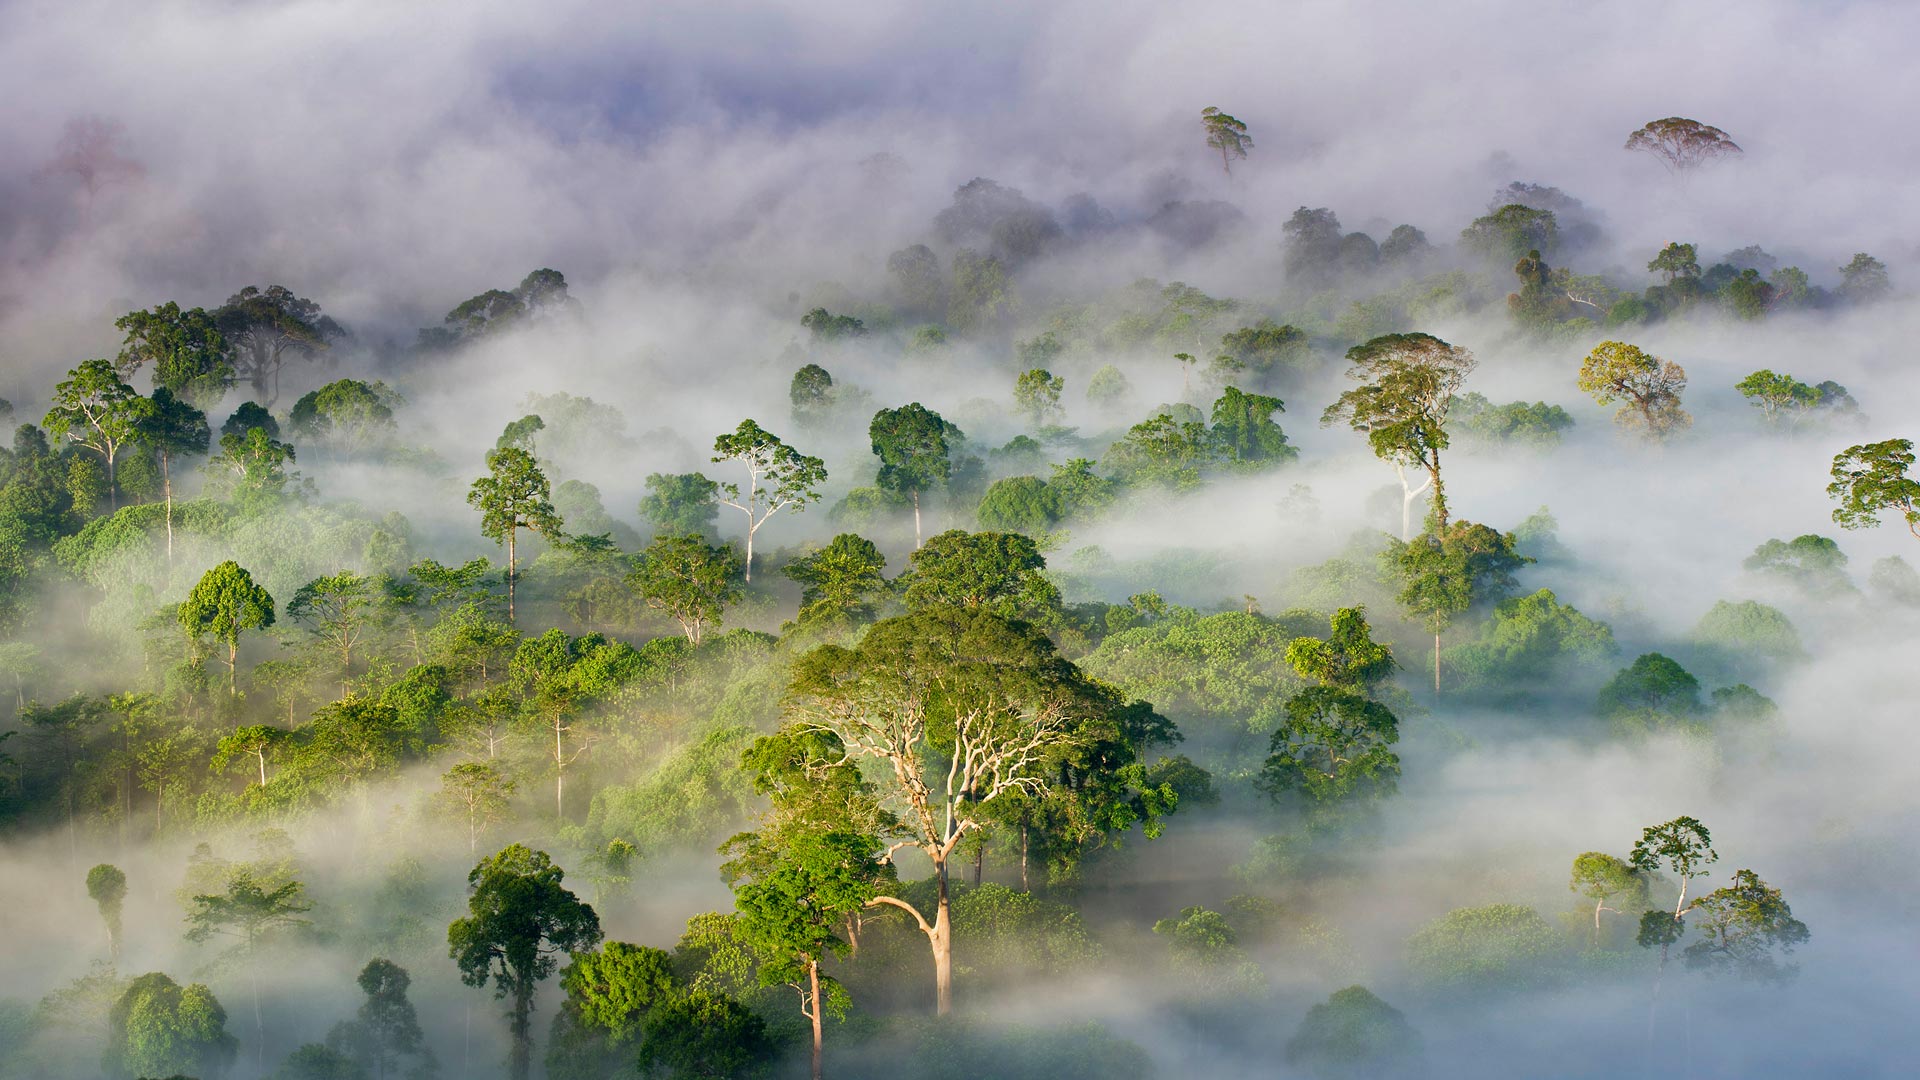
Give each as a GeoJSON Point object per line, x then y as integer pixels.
{"type": "Point", "coordinates": [262, 755]}
{"type": "Point", "coordinates": [942, 941]}
{"type": "Point", "coordinates": [813, 984]}
{"type": "Point", "coordinates": [520, 1058]}
{"type": "Point", "coordinates": [166, 485]}
{"type": "Point", "coordinates": [233, 661]}
{"type": "Point", "coordinates": [510, 574]}
{"type": "Point", "coordinates": [559, 776]}
{"type": "Point", "coordinates": [749, 566]}
{"type": "Point", "coordinates": [1436, 661]}
{"type": "Point", "coordinates": [916, 519]}
{"type": "Point", "coordinates": [1439, 492]}
{"type": "Point", "coordinates": [1023, 858]}
{"type": "Point", "coordinates": [979, 862]}
{"type": "Point", "coordinates": [113, 487]}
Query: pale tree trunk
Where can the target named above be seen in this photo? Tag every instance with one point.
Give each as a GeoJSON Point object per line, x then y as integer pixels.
{"type": "Point", "coordinates": [1023, 858]}
{"type": "Point", "coordinates": [813, 989]}
{"type": "Point", "coordinates": [1436, 661]}
{"type": "Point", "coordinates": [511, 566]}
{"type": "Point", "coordinates": [942, 941]}
{"type": "Point", "coordinates": [916, 519]}
{"type": "Point", "coordinates": [1408, 493]}
{"type": "Point", "coordinates": [559, 774]}
{"type": "Point", "coordinates": [520, 1058]}
{"type": "Point", "coordinates": [166, 485]}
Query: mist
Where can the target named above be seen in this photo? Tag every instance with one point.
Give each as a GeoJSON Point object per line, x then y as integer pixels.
{"type": "Point", "coordinates": [706, 176]}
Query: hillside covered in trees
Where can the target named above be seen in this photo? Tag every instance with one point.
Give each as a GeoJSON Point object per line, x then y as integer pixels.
{"type": "Point", "coordinates": [859, 598]}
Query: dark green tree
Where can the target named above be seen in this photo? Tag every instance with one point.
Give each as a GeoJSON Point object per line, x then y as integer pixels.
{"type": "Point", "coordinates": [514, 495]}
{"type": "Point", "coordinates": [171, 427]}
{"type": "Point", "coordinates": [159, 1028]}
{"type": "Point", "coordinates": [265, 328]}
{"type": "Point", "coordinates": [107, 887]}
{"type": "Point", "coordinates": [384, 1037]}
{"type": "Point", "coordinates": [912, 443]}
{"type": "Point", "coordinates": [687, 579]}
{"type": "Point", "coordinates": [1353, 1034]}
{"type": "Point", "coordinates": [185, 349]}
{"type": "Point", "coordinates": [677, 504]}
{"type": "Point", "coordinates": [840, 584]}
{"type": "Point", "coordinates": [520, 921]}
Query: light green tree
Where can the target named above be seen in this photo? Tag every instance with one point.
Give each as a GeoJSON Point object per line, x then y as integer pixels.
{"type": "Point", "coordinates": [94, 409]}
{"type": "Point", "coordinates": [107, 887]}
{"type": "Point", "coordinates": [225, 603]}
{"type": "Point", "coordinates": [1874, 478]}
{"type": "Point", "coordinates": [1225, 134]}
{"type": "Point", "coordinates": [1407, 385]}
{"type": "Point", "coordinates": [514, 495]}
{"type": "Point", "coordinates": [778, 478]}
{"type": "Point", "coordinates": [249, 911]}
{"type": "Point", "coordinates": [1649, 387]}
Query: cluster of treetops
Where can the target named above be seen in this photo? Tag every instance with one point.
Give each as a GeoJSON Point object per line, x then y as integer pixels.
{"type": "Point", "coordinates": [960, 707]}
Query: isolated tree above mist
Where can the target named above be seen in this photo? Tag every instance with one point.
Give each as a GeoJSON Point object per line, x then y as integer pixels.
{"type": "Point", "coordinates": [1445, 572]}
{"type": "Point", "coordinates": [1864, 279]}
{"type": "Point", "coordinates": [187, 353]}
{"type": "Point", "coordinates": [1036, 395]}
{"type": "Point", "coordinates": [825, 328]}
{"type": "Point", "coordinates": [107, 887]}
{"type": "Point", "coordinates": [385, 1034]}
{"type": "Point", "coordinates": [1407, 385]}
{"type": "Point", "coordinates": [94, 409]}
{"type": "Point", "coordinates": [265, 328]}
{"type": "Point", "coordinates": [1873, 478]}
{"type": "Point", "coordinates": [249, 911]}
{"type": "Point", "coordinates": [1227, 135]}
{"type": "Point", "coordinates": [915, 452]}
{"type": "Point", "coordinates": [225, 603]}
{"type": "Point", "coordinates": [1268, 351]}
{"type": "Point", "coordinates": [1682, 145]}
{"type": "Point", "coordinates": [541, 294]}
{"type": "Point", "coordinates": [1741, 928]}
{"type": "Point", "coordinates": [1783, 399]}
{"type": "Point", "coordinates": [479, 792]}
{"type": "Point", "coordinates": [340, 610]}
{"type": "Point", "coordinates": [778, 478]}
{"type": "Point", "coordinates": [1649, 386]}
{"type": "Point", "coordinates": [1601, 877]}
{"type": "Point", "coordinates": [514, 495]}
{"type": "Point", "coordinates": [1348, 659]}
{"type": "Point", "coordinates": [520, 921]}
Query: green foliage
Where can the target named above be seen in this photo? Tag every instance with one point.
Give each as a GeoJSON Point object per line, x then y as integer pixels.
{"type": "Point", "coordinates": [688, 580]}
{"type": "Point", "coordinates": [1864, 279]}
{"type": "Point", "coordinates": [1354, 1034]}
{"type": "Point", "coordinates": [826, 328]}
{"type": "Point", "coordinates": [914, 448]}
{"type": "Point", "coordinates": [842, 583]}
{"type": "Point", "coordinates": [700, 1033]}
{"type": "Point", "coordinates": [611, 989]}
{"type": "Point", "coordinates": [1225, 134]}
{"type": "Point", "coordinates": [1538, 426]}
{"type": "Point", "coordinates": [1206, 950]}
{"type": "Point", "coordinates": [1407, 387]}
{"type": "Point", "coordinates": [384, 1035]}
{"type": "Point", "coordinates": [1648, 386]}
{"type": "Point", "coordinates": [1332, 746]}
{"type": "Point", "coordinates": [1510, 232]}
{"type": "Point", "coordinates": [1108, 388]}
{"type": "Point", "coordinates": [1653, 694]}
{"type": "Point", "coordinates": [1499, 947]}
{"type": "Point", "coordinates": [1871, 479]}
{"type": "Point", "coordinates": [160, 1028]}
{"type": "Point", "coordinates": [1742, 927]}
{"type": "Point", "coordinates": [187, 352]}
{"type": "Point", "coordinates": [994, 572]}
{"type": "Point", "coordinates": [1747, 638]}
{"type": "Point", "coordinates": [225, 603]}
{"type": "Point", "coordinates": [1349, 659]}
{"type": "Point", "coordinates": [1812, 565]}
{"type": "Point", "coordinates": [1270, 353]}
{"type": "Point", "coordinates": [1244, 434]}
{"type": "Point", "coordinates": [1036, 395]}
{"type": "Point", "coordinates": [1532, 646]}
{"type": "Point", "coordinates": [347, 415]}
{"type": "Point", "coordinates": [679, 504]}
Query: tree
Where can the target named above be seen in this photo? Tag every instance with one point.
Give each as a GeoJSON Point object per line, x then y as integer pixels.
{"type": "Point", "coordinates": [479, 791]}
{"type": "Point", "coordinates": [251, 741]}
{"type": "Point", "coordinates": [1512, 232]}
{"type": "Point", "coordinates": [1742, 926]}
{"type": "Point", "coordinates": [1651, 694]}
{"type": "Point", "coordinates": [250, 415]}
{"type": "Point", "coordinates": [702, 1033]}
{"type": "Point", "coordinates": [1036, 395]}
{"type": "Point", "coordinates": [1267, 350]}
{"type": "Point", "coordinates": [346, 414]}
{"type": "Point", "coordinates": [1684, 848]}
{"type": "Point", "coordinates": [1349, 659]}
{"type": "Point", "coordinates": [225, 603]}
{"type": "Point", "coordinates": [1108, 387]}
{"type": "Point", "coordinates": [1777, 396]}
{"type": "Point", "coordinates": [1480, 948]}
{"type": "Point", "coordinates": [1681, 145]}
{"type": "Point", "coordinates": [1601, 877]}
{"type": "Point", "coordinates": [185, 349]}
{"type": "Point", "coordinates": [1407, 384]}
{"type": "Point", "coordinates": [1025, 504]}
{"type": "Point", "coordinates": [338, 610]}
{"type": "Point", "coordinates": [915, 454]}
{"type": "Point", "coordinates": [811, 395]}
{"type": "Point", "coordinates": [1864, 279]}
{"type": "Point", "coordinates": [982, 571]}
{"type": "Point", "coordinates": [1333, 744]}
{"type": "Point", "coordinates": [159, 1028]}
{"type": "Point", "coordinates": [826, 328]}
{"type": "Point", "coordinates": [249, 910]}
{"type": "Point", "coordinates": [681, 503]}
{"type": "Point", "coordinates": [1443, 573]}
{"type": "Point", "coordinates": [1874, 477]}
{"type": "Point", "coordinates": [385, 1032]}
{"type": "Point", "coordinates": [252, 467]}
{"type": "Point", "coordinates": [556, 676]}
{"type": "Point", "coordinates": [1353, 1034]}
{"type": "Point", "coordinates": [94, 409]}
{"type": "Point", "coordinates": [1649, 386]}
{"type": "Point", "coordinates": [778, 478]}
{"type": "Point", "coordinates": [1244, 433]}
{"type": "Point", "coordinates": [1679, 262]}
{"type": "Point", "coordinates": [514, 495]}
{"type": "Point", "coordinates": [840, 583]}
{"type": "Point", "coordinates": [1225, 134]}
{"type": "Point", "coordinates": [520, 919]}
{"type": "Point", "coordinates": [171, 426]}
{"type": "Point", "coordinates": [107, 886]}
{"type": "Point", "coordinates": [265, 328]}
{"type": "Point", "coordinates": [959, 709]}
{"type": "Point", "coordinates": [609, 993]}
{"type": "Point", "coordinates": [689, 580]}
{"type": "Point", "coordinates": [791, 906]}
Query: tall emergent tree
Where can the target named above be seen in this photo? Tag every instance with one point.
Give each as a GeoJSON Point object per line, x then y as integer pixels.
{"type": "Point", "coordinates": [1680, 144]}
{"type": "Point", "coordinates": [1649, 386]}
{"type": "Point", "coordinates": [339, 610]}
{"type": "Point", "coordinates": [94, 409]}
{"type": "Point", "coordinates": [1601, 877]}
{"type": "Point", "coordinates": [520, 921]}
{"type": "Point", "coordinates": [1407, 384]}
{"type": "Point", "coordinates": [1225, 134]}
{"type": "Point", "coordinates": [911, 443]}
{"type": "Point", "coordinates": [263, 328]}
{"type": "Point", "coordinates": [514, 495]}
{"type": "Point", "coordinates": [172, 427]}
{"type": "Point", "coordinates": [107, 886]}
{"type": "Point", "coordinates": [479, 792]}
{"type": "Point", "coordinates": [249, 910]}
{"type": "Point", "coordinates": [224, 603]}
{"type": "Point", "coordinates": [1872, 478]}
{"type": "Point", "coordinates": [778, 477]}
{"type": "Point", "coordinates": [958, 709]}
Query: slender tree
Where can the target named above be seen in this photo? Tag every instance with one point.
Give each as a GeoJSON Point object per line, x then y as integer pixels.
{"type": "Point", "coordinates": [173, 427]}
{"type": "Point", "coordinates": [1227, 135]}
{"type": "Point", "coordinates": [385, 1032]}
{"type": "Point", "coordinates": [249, 911]}
{"type": "Point", "coordinates": [1601, 877]}
{"type": "Point", "coordinates": [915, 454]}
{"type": "Point", "coordinates": [514, 495]}
{"type": "Point", "coordinates": [687, 579]}
{"type": "Point", "coordinates": [478, 791]}
{"type": "Point", "coordinates": [225, 603]}
{"type": "Point", "coordinates": [184, 349]}
{"type": "Point", "coordinates": [107, 886]}
{"type": "Point", "coordinates": [778, 478]}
